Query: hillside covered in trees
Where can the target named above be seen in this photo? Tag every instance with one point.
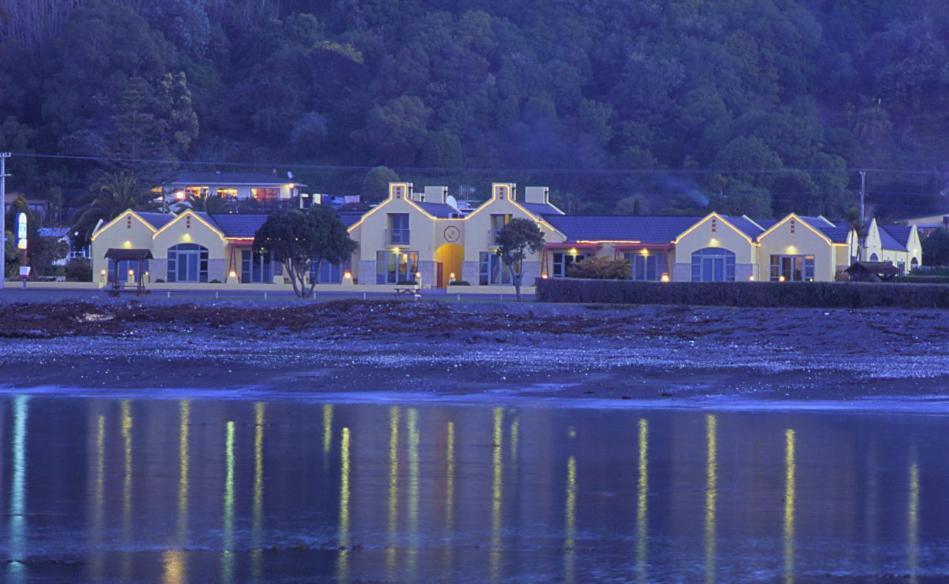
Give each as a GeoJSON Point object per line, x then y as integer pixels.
{"type": "Point", "coordinates": [754, 106]}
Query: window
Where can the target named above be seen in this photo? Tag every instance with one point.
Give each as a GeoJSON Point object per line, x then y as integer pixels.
{"type": "Point", "coordinates": [396, 267]}
{"type": "Point", "coordinates": [645, 267]}
{"type": "Point", "coordinates": [265, 193]}
{"type": "Point", "coordinates": [792, 268]}
{"type": "Point", "coordinates": [328, 273]}
{"type": "Point", "coordinates": [493, 269]}
{"type": "Point", "coordinates": [497, 222]}
{"type": "Point", "coordinates": [256, 267]}
{"type": "Point", "coordinates": [874, 257]}
{"type": "Point", "coordinates": [399, 228]}
{"type": "Point", "coordinates": [713, 264]}
{"type": "Point", "coordinates": [188, 262]}
{"type": "Point", "coordinates": [562, 261]}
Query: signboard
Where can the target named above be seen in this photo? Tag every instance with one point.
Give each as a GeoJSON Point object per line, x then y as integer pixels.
{"type": "Point", "coordinates": [24, 272]}
{"type": "Point", "coordinates": [21, 232]}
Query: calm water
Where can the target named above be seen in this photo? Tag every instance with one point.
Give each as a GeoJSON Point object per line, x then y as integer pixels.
{"type": "Point", "coordinates": [238, 491]}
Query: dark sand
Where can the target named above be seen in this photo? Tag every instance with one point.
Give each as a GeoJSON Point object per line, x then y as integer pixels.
{"type": "Point", "coordinates": [642, 352]}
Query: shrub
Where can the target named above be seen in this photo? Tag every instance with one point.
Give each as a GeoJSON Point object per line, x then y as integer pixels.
{"type": "Point", "coordinates": [599, 268]}
{"type": "Point", "coordinates": [78, 270]}
{"type": "Point", "coordinates": [459, 283]}
{"type": "Point", "coordinates": [761, 294]}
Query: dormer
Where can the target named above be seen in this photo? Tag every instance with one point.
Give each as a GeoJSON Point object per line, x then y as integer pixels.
{"type": "Point", "coordinates": [538, 195]}
{"type": "Point", "coordinates": [400, 190]}
{"type": "Point", "coordinates": [504, 191]}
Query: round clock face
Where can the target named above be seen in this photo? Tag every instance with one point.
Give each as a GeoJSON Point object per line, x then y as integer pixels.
{"type": "Point", "coordinates": [452, 234]}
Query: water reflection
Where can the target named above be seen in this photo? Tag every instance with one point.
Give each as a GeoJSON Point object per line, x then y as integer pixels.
{"type": "Point", "coordinates": [790, 495]}
{"type": "Point", "coordinates": [642, 502]}
{"type": "Point", "coordinates": [342, 569]}
{"type": "Point", "coordinates": [497, 492]}
{"type": "Point", "coordinates": [912, 539]}
{"type": "Point", "coordinates": [227, 547]}
{"type": "Point", "coordinates": [258, 510]}
{"type": "Point", "coordinates": [393, 492]}
{"type": "Point", "coordinates": [432, 493]}
{"type": "Point", "coordinates": [571, 519]}
{"type": "Point", "coordinates": [711, 493]}
{"type": "Point", "coordinates": [17, 516]}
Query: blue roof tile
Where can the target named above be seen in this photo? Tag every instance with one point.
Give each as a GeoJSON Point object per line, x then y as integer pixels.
{"type": "Point", "coordinates": [539, 209]}
{"type": "Point", "coordinates": [440, 210]}
{"type": "Point", "coordinates": [888, 241]}
{"type": "Point", "coordinates": [156, 220]}
{"type": "Point", "coordinates": [899, 233]}
{"type": "Point", "coordinates": [750, 228]}
{"type": "Point", "coordinates": [620, 228]}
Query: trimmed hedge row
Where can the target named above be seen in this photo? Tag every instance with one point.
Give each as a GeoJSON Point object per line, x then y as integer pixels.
{"type": "Point", "coordinates": [768, 294]}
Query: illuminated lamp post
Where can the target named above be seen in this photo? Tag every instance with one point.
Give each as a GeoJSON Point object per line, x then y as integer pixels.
{"type": "Point", "coordinates": [3, 212]}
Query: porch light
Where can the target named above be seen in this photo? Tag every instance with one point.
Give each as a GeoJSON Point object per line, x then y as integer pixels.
{"type": "Point", "coordinates": [180, 195]}
{"type": "Point", "coordinates": [780, 278]}
{"type": "Point", "coordinates": [751, 278]}
{"type": "Point", "coordinates": [543, 276]}
{"type": "Point", "coordinates": [232, 274]}
{"type": "Point", "coordinates": [131, 273]}
{"type": "Point", "coordinates": [186, 237]}
{"type": "Point", "coordinates": [395, 250]}
{"type": "Point", "coordinates": [664, 278]}
{"type": "Point", "coordinates": [644, 252]}
{"type": "Point", "coordinates": [127, 244]}
{"type": "Point", "coordinates": [102, 273]}
{"type": "Point", "coordinates": [418, 276]}
{"type": "Point", "coordinates": [573, 251]}
{"type": "Point", "coordinates": [792, 250]}
{"type": "Point", "coordinates": [713, 242]}
{"type": "Point", "coordinates": [347, 275]}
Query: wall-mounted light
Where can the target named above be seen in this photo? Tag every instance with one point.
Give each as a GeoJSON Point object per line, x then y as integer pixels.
{"type": "Point", "coordinates": [713, 242]}
{"type": "Point", "coordinates": [664, 278]}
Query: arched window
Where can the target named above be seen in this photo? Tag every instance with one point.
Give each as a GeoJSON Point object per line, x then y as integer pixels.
{"type": "Point", "coordinates": [914, 263]}
{"type": "Point", "coordinates": [187, 262]}
{"type": "Point", "coordinates": [713, 264]}
{"type": "Point", "coordinates": [874, 257]}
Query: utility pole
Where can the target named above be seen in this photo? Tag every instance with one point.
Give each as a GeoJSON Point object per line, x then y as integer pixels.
{"type": "Point", "coordinates": [861, 236]}
{"type": "Point", "coordinates": [863, 194]}
{"type": "Point", "coordinates": [3, 215]}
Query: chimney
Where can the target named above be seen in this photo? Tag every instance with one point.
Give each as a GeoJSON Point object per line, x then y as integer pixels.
{"type": "Point", "coordinates": [504, 191]}
{"type": "Point", "coordinates": [400, 190]}
{"type": "Point", "coordinates": [539, 195]}
{"type": "Point", "coordinates": [437, 194]}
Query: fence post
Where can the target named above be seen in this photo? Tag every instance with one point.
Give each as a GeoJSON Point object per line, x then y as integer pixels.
{"type": "Point", "coordinates": [265, 294]}
{"type": "Point", "coordinates": [168, 294]}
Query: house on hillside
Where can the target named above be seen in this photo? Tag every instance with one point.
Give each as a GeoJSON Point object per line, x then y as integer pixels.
{"type": "Point", "coordinates": [260, 187]}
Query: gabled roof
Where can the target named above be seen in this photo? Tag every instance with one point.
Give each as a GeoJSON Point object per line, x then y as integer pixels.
{"type": "Point", "coordinates": [156, 220]}
{"type": "Point", "coordinates": [230, 179]}
{"type": "Point", "coordinates": [900, 233]}
{"type": "Point", "coordinates": [348, 218]}
{"type": "Point", "coordinates": [440, 210]}
{"type": "Point", "coordinates": [817, 221]}
{"type": "Point", "coordinates": [887, 241]}
{"type": "Point", "coordinates": [540, 209]}
{"type": "Point", "coordinates": [750, 228]}
{"type": "Point", "coordinates": [237, 224]}
{"type": "Point", "coordinates": [620, 228]}
{"type": "Point", "coordinates": [837, 234]}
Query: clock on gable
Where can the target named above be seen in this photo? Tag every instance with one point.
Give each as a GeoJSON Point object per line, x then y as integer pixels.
{"type": "Point", "coordinates": [452, 234]}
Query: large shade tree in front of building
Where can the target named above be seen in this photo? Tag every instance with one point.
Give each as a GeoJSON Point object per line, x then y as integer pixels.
{"type": "Point", "coordinates": [516, 240]}
{"type": "Point", "coordinates": [302, 240]}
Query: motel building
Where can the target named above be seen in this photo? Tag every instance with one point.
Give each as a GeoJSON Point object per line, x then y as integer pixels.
{"type": "Point", "coordinates": [424, 238]}
{"type": "Point", "coordinates": [259, 187]}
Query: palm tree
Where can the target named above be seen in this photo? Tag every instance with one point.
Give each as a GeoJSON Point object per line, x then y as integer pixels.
{"type": "Point", "coordinates": [207, 202]}
{"type": "Point", "coordinates": [113, 194]}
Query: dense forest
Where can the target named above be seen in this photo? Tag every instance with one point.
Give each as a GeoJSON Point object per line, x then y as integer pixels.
{"type": "Point", "coordinates": [661, 106]}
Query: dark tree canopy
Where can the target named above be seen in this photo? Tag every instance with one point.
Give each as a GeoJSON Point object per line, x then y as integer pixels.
{"type": "Point", "coordinates": [773, 103]}
{"type": "Point", "coordinates": [518, 239]}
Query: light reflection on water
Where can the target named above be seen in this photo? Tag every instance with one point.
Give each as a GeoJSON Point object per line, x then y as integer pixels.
{"type": "Point", "coordinates": [197, 491]}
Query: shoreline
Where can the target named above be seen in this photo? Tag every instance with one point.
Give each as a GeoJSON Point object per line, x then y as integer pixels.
{"type": "Point", "coordinates": [593, 353]}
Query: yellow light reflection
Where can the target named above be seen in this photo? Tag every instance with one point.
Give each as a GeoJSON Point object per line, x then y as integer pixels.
{"type": "Point", "coordinates": [99, 497]}
{"type": "Point", "coordinates": [515, 438]}
{"type": "Point", "coordinates": [173, 567]}
{"type": "Point", "coordinates": [711, 494]}
{"type": "Point", "coordinates": [571, 519]}
{"type": "Point", "coordinates": [912, 538]}
{"type": "Point", "coordinates": [413, 439]}
{"type": "Point", "coordinates": [126, 413]}
{"type": "Point", "coordinates": [258, 505]}
{"type": "Point", "coordinates": [790, 492]}
{"type": "Point", "coordinates": [393, 517]}
{"type": "Point", "coordinates": [496, 493]}
{"type": "Point", "coordinates": [18, 488]}
{"type": "Point", "coordinates": [227, 557]}
{"type": "Point", "coordinates": [642, 503]}
{"type": "Point", "coordinates": [450, 490]}
{"type": "Point", "coordinates": [184, 463]}
{"type": "Point", "coordinates": [342, 567]}
{"type": "Point", "coordinates": [327, 428]}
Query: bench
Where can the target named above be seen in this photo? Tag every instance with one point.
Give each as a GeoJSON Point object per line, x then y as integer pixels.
{"type": "Point", "coordinates": [407, 291]}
